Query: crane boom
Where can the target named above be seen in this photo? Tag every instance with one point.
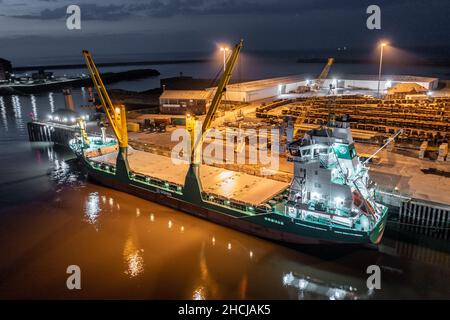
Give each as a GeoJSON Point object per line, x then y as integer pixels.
{"type": "Point", "coordinates": [116, 115]}
{"type": "Point", "coordinates": [323, 75]}
{"type": "Point", "coordinates": [221, 88]}
{"type": "Point", "coordinates": [82, 125]}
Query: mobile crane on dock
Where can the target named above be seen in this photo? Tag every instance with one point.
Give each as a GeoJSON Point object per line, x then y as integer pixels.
{"type": "Point", "coordinates": [323, 75]}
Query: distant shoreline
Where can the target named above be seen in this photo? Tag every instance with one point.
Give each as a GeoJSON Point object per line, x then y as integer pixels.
{"type": "Point", "coordinates": [108, 77]}
{"type": "Point", "coordinates": [108, 64]}
{"type": "Point", "coordinates": [437, 63]}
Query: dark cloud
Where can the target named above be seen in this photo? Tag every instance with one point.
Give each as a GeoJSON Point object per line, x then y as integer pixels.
{"type": "Point", "coordinates": [167, 8]}
{"type": "Point", "coordinates": [88, 12]}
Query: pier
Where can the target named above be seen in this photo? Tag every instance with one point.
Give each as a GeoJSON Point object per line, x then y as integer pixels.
{"type": "Point", "coordinates": [51, 132]}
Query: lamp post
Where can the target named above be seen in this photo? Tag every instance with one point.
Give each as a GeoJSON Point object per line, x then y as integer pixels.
{"type": "Point", "coordinates": [382, 45]}
{"type": "Point", "coordinates": [224, 50]}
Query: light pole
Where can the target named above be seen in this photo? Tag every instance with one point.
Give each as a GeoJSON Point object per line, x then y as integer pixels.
{"type": "Point", "coordinates": [384, 44]}
{"type": "Point", "coordinates": [224, 50]}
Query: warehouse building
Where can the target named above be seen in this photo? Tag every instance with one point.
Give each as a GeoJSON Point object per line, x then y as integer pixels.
{"type": "Point", "coordinates": [267, 88]}
{"type": "Point", "coordinates": [184, 101]}
{"type": "Point", "coordinates": [262, 89]}
{"type": "Point", "coordinates": [370, 82]}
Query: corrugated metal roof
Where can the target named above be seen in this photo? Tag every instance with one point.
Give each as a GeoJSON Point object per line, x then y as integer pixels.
{"type": "Point", "coordinates": [186, 94]}
{"type": "Point", "coordinates": [271, 82]}
{"type": "Point", "coordinates": [265, 83]}
{"type": "Point", "coordinates": [374, 77]}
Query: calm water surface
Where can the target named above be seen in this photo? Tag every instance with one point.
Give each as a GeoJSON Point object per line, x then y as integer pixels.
{"type": "Point", "coordinates": [52, 217]}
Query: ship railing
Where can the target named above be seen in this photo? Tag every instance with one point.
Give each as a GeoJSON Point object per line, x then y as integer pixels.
{"type": "Point", "coordinates": [324, 218]}
{"type": "Point", "coordinates": [230, 203]}
{"type": "Point", "coordinates": [162, 184]}
{"type": "Point", "coordinates": [105, 167]}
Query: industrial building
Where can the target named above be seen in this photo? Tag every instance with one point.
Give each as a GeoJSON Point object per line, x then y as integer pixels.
{"type": "Point", "coordinates": [370, 82]}
{"type": "Point", "coordinates": [5, 69]}
{"type": "Point", "coordinates": [182, 89]}
{"type": "Point", "coordinates": [184, 101]}
{"type": "Point", "coordinates": [262, 89]}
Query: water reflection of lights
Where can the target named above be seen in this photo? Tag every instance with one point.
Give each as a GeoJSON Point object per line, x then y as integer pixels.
{"type": "Point", "coordinates": [229, 246]}
{"type": "Point", "coordinates": [92, 208]}
{"type": "Point", "coordinates": [133, 259]}
{"type": "Point", "coordinates": [104, 199]}
{"type": "Point", "coordinates": [138, 212]}
{"type": "Point", "coordinates": [213, 240]}
{"type": "Point", "coordinates": [169, 224]}
{"type": "Point", "coordinates": [51, 101]}
{"type": "Point", "coordinates": [111, 202]}
{"type": "Point", "coordinates": [33, 106]}
{"type": "Point", "coordinates": [50, 153]}
{"type": "Point", "coordinates": [182, 229]}
{"type": "Point", "coordinates": [152, 217]}
{"type": "Point", "coordinates": [17, 108]}
{"type": "Point", "coordinates": [199, 294]}
{"type": "Point", "coordinates": [3, 113]}
{"type": "Point", "coordinates": [251, 254]}
{"type": "Point", "coordinates": [61, 173]}
{"type": "Point", "coordinates": [317, 287]}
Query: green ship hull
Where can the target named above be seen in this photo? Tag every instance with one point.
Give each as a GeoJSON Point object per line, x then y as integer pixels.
{"type": "Point", "coordinates": [273, 225]}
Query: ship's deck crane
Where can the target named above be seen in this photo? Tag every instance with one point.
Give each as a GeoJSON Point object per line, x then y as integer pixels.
{"type": "Point", "coordinates": [116, 115]}
{"type": "Point", "coordinates": [323, 75]}
{"type": "Point", "coordinates": [221, 88]}
{"type": "Point", "coordinates": [84, 136]}
{"type": "Point", "coordinates": [192, 185]}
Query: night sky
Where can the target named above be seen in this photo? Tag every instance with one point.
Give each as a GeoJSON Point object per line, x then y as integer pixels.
{"type": "Point", "coordinates": [37, 27]}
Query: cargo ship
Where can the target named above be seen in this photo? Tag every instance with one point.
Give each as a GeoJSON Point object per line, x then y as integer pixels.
{"type": "Point", "coordinates": [330, 198]}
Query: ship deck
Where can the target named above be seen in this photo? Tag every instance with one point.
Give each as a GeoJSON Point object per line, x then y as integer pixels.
{"type": "Point", "coordinates": [239, 186]}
